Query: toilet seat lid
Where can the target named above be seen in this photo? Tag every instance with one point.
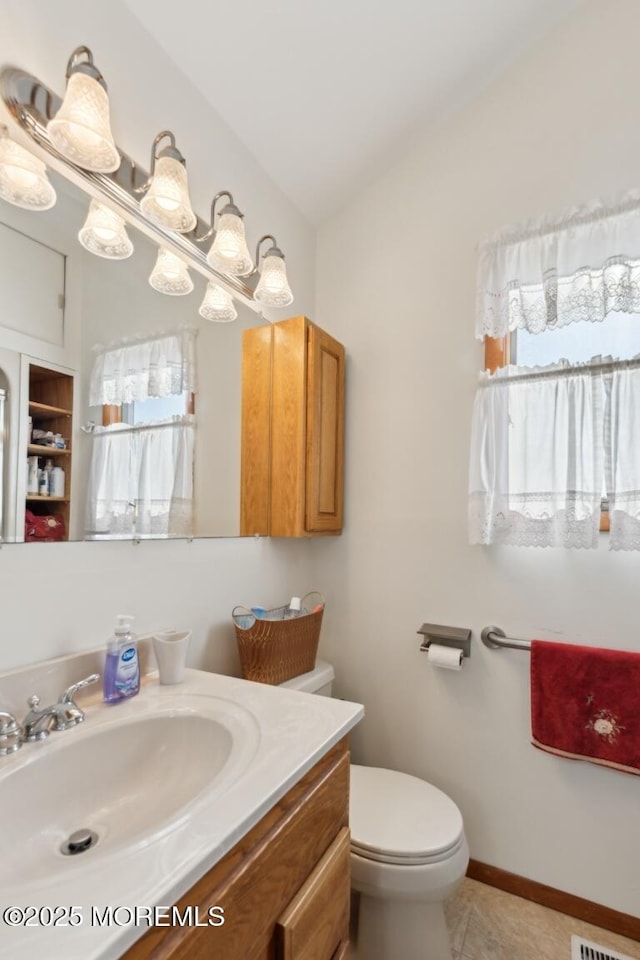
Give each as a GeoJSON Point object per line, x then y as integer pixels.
{"type": "Point", "coordinates": [398, 818]}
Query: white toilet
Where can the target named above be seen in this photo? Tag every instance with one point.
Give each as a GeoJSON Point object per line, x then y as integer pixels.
{"type": "Point", "coordinates": [408, 854]}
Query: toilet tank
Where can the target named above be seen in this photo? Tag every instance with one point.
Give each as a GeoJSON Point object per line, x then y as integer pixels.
{"type": "Point", "coordinates": [319, 680]}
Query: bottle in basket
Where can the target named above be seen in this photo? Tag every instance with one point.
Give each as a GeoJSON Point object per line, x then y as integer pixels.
{"type": "Point", "coordinates": [295, 609]}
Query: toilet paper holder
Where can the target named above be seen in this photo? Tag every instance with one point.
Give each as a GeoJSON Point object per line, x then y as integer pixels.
{"type": "Point", "coordinates": [458, 637]}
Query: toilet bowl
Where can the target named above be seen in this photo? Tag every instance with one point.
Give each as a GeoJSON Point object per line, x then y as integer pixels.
{"type": "Point", "coordinates": [408, 854]}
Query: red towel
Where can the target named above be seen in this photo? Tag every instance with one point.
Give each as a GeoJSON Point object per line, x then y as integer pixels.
{"type": "Point", "coordinates": [585, 703]}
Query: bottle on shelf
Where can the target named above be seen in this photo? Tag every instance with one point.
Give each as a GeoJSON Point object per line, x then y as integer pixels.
{"type": "Point", "coordinates": [56, 482]}
{"type": "Point", "coordinates": [43, 483]}
{"type": "Point", "coordinates": [32, 475]}
{"type": "Point", "coordinates": [48, 467]}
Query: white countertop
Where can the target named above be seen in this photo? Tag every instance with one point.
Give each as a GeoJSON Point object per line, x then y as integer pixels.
{"type": "Point", "coordinates": [290, 732]}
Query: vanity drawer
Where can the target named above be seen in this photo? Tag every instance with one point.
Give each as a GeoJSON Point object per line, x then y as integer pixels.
{"type": "Point", "coordinates": [313, 925]}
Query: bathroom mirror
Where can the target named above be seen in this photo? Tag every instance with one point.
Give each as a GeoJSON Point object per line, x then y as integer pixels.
{"type": "Point", "coordinates": [58, 305]}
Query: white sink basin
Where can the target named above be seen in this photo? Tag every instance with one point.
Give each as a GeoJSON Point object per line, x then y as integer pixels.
{"type": "Point", "coordinates": [128, 775]}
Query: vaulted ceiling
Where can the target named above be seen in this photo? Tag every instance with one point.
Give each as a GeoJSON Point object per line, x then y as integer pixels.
{"type": "Point", "coordinates": [326, 93]}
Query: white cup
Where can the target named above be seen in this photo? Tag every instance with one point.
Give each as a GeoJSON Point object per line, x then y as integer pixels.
{"type": "Point", "coordinates": [170, 648]}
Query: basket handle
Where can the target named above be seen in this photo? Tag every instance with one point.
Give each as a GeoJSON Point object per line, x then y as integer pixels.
{"type": "Point", "coordinates": [241, 611]}
{"type": "Point", "coordinates": [318, 602]}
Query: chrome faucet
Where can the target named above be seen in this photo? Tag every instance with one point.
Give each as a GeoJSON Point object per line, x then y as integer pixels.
{"type": "Point", "coordinates": [59, 716]}
{"type": "Point", "coordinates": [10, 734]}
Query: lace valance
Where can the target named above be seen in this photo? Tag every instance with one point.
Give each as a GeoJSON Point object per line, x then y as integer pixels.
{"type": "Point", "coordinates": [553, 272]}
{"type": "Point", "coordinates": [159, 366]}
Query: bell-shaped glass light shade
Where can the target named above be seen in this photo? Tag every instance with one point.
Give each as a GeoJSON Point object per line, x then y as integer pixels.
{"type": "Point", "coordinates": [23, 178]}
{"type": "Point", "coordinates": [170, 275]}
{"type": "Point", "coordinates": [167, 199]}
{"type": "Point", "coordinates": [229, 252]}
{"type": "Point", "coordinates": [273, 288]}
{"type": "Point", "coordinates": [217, 305]}
{"type": "Point", "coordinates": [104, 233]}
{"type": "Point", "coordinates": [81, 129]}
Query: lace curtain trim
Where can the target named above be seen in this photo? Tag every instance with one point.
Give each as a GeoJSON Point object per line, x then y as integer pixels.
{"type": "Point", "coordinates": [160, 366]}
{"type": "Point", "coordinates": [624, 524]}
{"type": "Point", "coordinates": [588, 296]}
{"type": "Point", "coordinates": [578, 267]}
{"type": "Point", "coordinates": [124, 519]}
{"type": "Point", "coordinates": [541, 521]}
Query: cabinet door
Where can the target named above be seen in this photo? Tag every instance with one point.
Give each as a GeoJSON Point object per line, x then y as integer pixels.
{"type": "Point", "coordinates": [325, 433]}
{"type": "Point", "coordinates": [255, 451]}
{"type": "Point", "coordinates": [315, 924]}
{"type": "Point", "coordinates": [32, 308]}
{"type": "Point", "coordinates": [292, 430]}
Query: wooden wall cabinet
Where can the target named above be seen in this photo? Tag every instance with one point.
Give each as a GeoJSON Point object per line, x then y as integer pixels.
{"type": "Point", "coordinates": [284, 887]}
{"type": "Point", "coordinates": [292, 431]}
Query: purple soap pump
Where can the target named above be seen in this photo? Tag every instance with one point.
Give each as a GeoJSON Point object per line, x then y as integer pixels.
{"type": "Point", "coordinates": [122, 670]}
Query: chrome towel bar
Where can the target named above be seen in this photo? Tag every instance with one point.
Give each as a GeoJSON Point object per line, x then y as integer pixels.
{"type": "Point", "coordinates": [494, 638]}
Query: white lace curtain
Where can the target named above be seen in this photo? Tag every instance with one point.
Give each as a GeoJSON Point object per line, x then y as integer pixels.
{"type": "Point", "coordinates": [159, 366]}
{"type": "Point", "coordinates": [553, 272]}
{"type": "Point", "coordinates": [546, 444]}
{"type": "Point", "coordinates": [141, 480]}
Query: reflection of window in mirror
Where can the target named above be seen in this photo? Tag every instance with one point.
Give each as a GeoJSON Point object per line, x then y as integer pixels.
{"type": "Point", "coordinates": [156, 408]}
{"type": "Point", "coordinates": [150, 410]}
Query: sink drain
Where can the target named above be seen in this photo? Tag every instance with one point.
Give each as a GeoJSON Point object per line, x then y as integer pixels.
{"type": "Point", "coordinates": [78, 842]}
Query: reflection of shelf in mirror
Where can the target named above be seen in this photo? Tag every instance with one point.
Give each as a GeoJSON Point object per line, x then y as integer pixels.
{"type": "Point", "coordinates": [41, 451]}
{"type": "Point", "coordinates": [45, 412]}
{"type": "Point", "coordinates": [38, 499]}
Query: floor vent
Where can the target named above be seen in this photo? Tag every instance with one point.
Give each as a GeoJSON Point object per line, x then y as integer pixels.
{"type": "Point", "coordinates": [585, 950]}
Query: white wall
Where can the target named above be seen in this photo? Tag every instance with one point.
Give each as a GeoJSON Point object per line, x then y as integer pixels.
{"type": "Point", "coordinates": [62, 598]}
{"type": "Point", "coordinates": [560, 128]}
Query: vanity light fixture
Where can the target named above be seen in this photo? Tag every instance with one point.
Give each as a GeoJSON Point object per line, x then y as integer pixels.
{"type": "Point", "coordinates": [217, 305]}
{"type": "Point", "coordinates": [23, 178]}
{"type": "Point", "coordinates": [104, 233]}
{"type": "Point", "coordinates": [273, 287]}
{"type": "Point", "coordinates": [170, 275]}
{"type": "Point", "coordinates": [167, 190]}
{"type": "Point", "coordinates": [75, 131]}
{"type": "Point", "coordinates": [229, 252]}
{"type": "Point", "coordinates": [81, 129]}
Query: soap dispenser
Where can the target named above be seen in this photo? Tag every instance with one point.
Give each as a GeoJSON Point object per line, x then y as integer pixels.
{"type": "Point", "coordinates": [122, 670]}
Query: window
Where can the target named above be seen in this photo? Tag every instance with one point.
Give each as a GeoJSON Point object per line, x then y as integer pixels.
{"type": "Point", "coordinates": [556, 426]}
{"type": "Point", "coordinates": [618, 336]}
{"type": "Point", "coordinates": [157, 408]}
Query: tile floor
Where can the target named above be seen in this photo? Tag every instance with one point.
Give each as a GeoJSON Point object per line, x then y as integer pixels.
{"type": "Point", "coordinates": [489, 924]}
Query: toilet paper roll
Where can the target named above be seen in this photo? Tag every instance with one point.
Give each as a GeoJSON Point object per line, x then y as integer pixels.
{"type": "Point", "coordinates": [448, 657]}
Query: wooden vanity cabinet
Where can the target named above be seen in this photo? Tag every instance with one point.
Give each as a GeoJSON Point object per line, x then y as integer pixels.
{"type": "Point", "coordinates": [292, 430]}
{"type": "Point", "coordinates": [284, 887]}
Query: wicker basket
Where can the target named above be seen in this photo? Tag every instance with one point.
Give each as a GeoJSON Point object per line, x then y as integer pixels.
{"type": "Point", "coordinates": [273, 649]}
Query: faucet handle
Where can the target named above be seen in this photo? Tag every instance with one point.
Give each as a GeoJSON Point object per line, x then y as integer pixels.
{"type": "Point", "coordinates": [29, 732]}
{"type": "Point", "coordinates": [68, 713]}
{"type": "Point", "coordinates": [10, 733]}
{"type": "Point", "coordinates": [70, 692]}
